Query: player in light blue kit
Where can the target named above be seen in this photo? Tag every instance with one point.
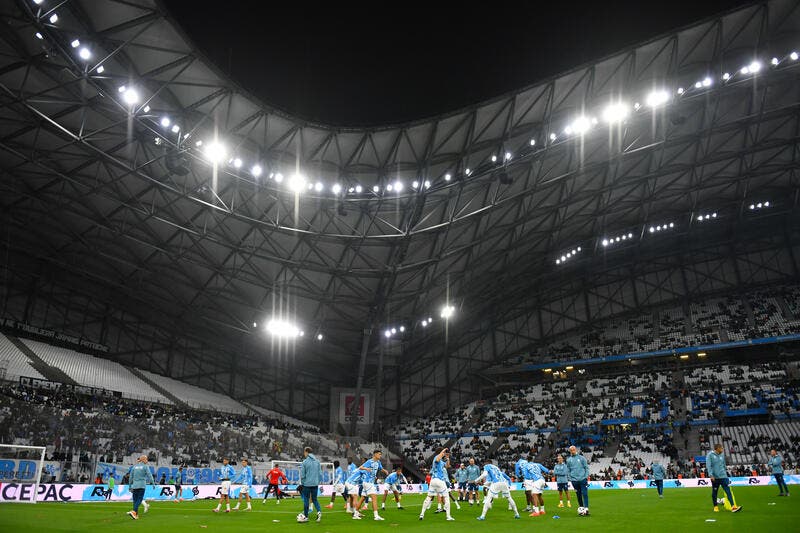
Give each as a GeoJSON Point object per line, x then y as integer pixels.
{"type": "Point", "coordinates": [659, 473]}
{"type": "Point", "coordinates": [139, 476]}
{"type": "Point", "coordinates": [394, 482]}
{"type": "Point", "coordinates": [226, 473]}
{"type": "Point", "coordinates": [499, 484]}
{"type": "Point", "coordinates": [352, 486]}
{"type": "Point", "coordinates": [776, 463]}
{"type": "Point", "coordinates": [369, 479]}
{"type": "Point", "coordinates": [473, 471]}
{"type": "Point", "coordinates": [339, 477]}
{"type": "Point", "coordinates": [534, 479]}
{"type": "Point", "coordinates": [246, 478]}
{"type": "Point", "coordinates": [519, 472]}
{"type": "Point", "coordinates": [438, 486]}
{"type": "Point", "coordinates": [562, 481]}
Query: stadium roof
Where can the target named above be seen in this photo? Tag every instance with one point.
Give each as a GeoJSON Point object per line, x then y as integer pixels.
{"type": "Point", "coordinates": [117, 225]}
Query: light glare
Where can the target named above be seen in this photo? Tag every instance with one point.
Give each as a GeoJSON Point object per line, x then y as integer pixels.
{"type": "Point", "coordinates": [130, 96]}
{"type": "Point", "coordinates": [614, 113]}
{"type": "Point", "coordinates": [657, 98]}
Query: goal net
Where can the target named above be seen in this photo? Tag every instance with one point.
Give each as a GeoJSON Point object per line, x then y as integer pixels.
{"type": "Point", "coordinates": [20, 472]}
{"type": "Point", "coordinates": [292, 471]}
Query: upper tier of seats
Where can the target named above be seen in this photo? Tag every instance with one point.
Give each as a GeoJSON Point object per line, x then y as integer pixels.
{"type": "Point", "coordinates": [15, 363]}
{"type": "Point", "coordinates": [195, 396]}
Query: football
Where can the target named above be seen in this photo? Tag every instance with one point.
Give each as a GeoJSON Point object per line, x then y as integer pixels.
{"type": "Point", "coordinates": [301, 517]}
{"type": "Point", "coordinates": [583, 511]}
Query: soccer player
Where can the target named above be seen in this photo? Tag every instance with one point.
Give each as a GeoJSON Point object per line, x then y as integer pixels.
{"type": "Point", "coordinates": [519, 472]}
{"type": "Point", "coordinates": [394, 482]}
{"type": "Point", "coordinates": [178, 482]}
{"type": "Point", "coordinates": [369, 476]}
{"type": "Point", "coordinates": [461, 482]}
{"type": "Point", "coordinates": [352, 486]}
{"type": "Point", "coordinates": [438, 484]}
{"type": "Point", "coordinates": [562, 483]}
{"type": "Point", "coordinates": [339, 478]}
{"type": "Point", "coordinates": [139, 476]}
{"type": "Point", "coordinates": [775, 461]}
{"type": "Point", "coordinates": [473, 471]}
{"type": "Point", "coordinates": [535, 480]}
{"type": "Point", "coordinates": [718, 473]}
{"type": "Point", "coordinates": [310, 477]}
{"type": "Point", "coordinates": [578, 473]}
{"type": "Point", "coordinates": [658, 477]}
{"type": "Point", "coordinates": [275, 476]}
{"type": "Point", "coordinates": [499, 483]}
{"type": "Point", "coordinates": [246, 476]}
{"type": "Point", "coordinates": [225, 475]}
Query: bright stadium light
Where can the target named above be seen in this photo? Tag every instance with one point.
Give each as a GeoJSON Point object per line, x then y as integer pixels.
{"type": "Point", "coordinates": [215, 152]}
{"type": "Point", "coordinates": [467, 171]}
{"type": "Point", "coordinates": [398, 186]}
{"type": "Point", "coordinates": [553, 136]}
{"type": "Point", "coordinates": [54, 18]}
{"type": "Point", "coordinates": [508, 156]}
{"type": "Point", "coordinates": [494, 158]}
{"type": "Point", "coordinates": [424, 323]}
{"type": "Point", "coordinates": [283, 329]}
{"type": "Point", "coordinates": [100, 69]}
{"type": "Point", "coordinates": [176, 129]}
{"type": "Point", "coordinates": [336, 188]}
{"type": "Point", "coordinates": [297, 183]}
{"type": "Point", "coordinates": [427, 184]}
{"type": "Point", "coordinates": [318, 186]}
{"type": "Point", "coordinates": [394, 330]}
{"type": "Point", "coordinates": [533, 142]}
{"type": "Point", "coordinates": [775, 61]}
{"type": "Point", "coordinates": [726, 76]}
{"type": "Point", "coordinates": [387, 333]}
{"type": "Point", "coordinates": [754, 67]}
{"type": "Point", "coordinates": [793, 56]}
{"type": "Point", "coordinates": [39, 35]}
{"type": "Point", "coordinates": [256, 170]}
{"type": "Point", "coordinates": [165, 122]}
{"type": "Point", "coordinates": [402, 329]}
{"type": "Point", "coordinates": [375, 188]}
{"type": "Point", "coordinates": [680, 90]}
{"type": "Point", "coordinates": [389, 187]}
{"type": "Point", "coordinates": [447, 177]}
{"type": "Point", "coordinates": [130, 96]}
{"type": "Point", "coordinates": [616, 112]}
{"type": "Point", "coordinates": [657, 98]}
{"type": "Point", "coordinates": [75, 44]}
{"type": "Point", "coordinates": [447, 311]}
{"type": "Point", "coordinates": [359, 189]}
{"type": "Point", "coordinates": [319, 336]}
{"type": "Point", "coordinates": [85, 54]}
{"type": "Point", "coordinates": [414, 184]}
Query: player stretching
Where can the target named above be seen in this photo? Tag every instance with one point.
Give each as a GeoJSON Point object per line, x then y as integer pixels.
{"type": "Point", "coordinates": [225, 475]}
{"type": "Point", "coordinates": [352, 486]}
{"type": "Point", "coordinates": [535, 480]}
{"type": "Point", "coordinates": [718, 473]}
{"type": "Point", "coordinates": [394, 482]}
{"type": "Point", "coordinates": [274, 476]}
{"type": "Point", "coordinates": [139, 476]}
{"type": "Point", "coordinates": [438, 485]}
{"type": "Point", "coordinates": [562, 482]}
{"type": "Point", "coordinates": [338, 483]}
{"type": "Point", "coordinates": [473, 471]}
{"type": "Point", "coordinates": [369, 488]}
{"type": "Point", "coordinates": [499, 483]}
{"type": "Point", "coordinates": [246, 475]}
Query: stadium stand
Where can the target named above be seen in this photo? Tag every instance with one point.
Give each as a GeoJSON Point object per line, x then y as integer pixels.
{"type": "Point", "coordinates": [14, 362]}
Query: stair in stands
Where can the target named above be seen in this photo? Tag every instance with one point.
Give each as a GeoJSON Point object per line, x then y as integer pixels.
{"type": "Point", "coordinates": [51, 373]}
{"type": "Point", "coordinates": [177, 401]}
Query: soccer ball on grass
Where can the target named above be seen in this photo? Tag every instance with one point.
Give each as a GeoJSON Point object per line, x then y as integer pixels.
{"type": "Point", "coordinates": [583, 511]}
{"type": "Point", "coordinates": [301, 517]}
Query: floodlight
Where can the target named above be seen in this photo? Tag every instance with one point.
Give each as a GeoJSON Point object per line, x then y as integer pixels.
{"type": "Point", "coordinates": [752, 206]}
{"type": "Point", "coordinates": [318, 186]}
{"type": "Point", "coordinates": [615, 112]}
{"type": "Point", "coordinates": [130, 96]}
{"type": "Point", "coordinates": [256, 170]}
{"type": "Point", "coordinates": [553, 136]}
{"type": "Point", "coordinates": [447, 177]}
{"type": "Point", "coordinates": [39, 35]}
{"type": "Point", "coordinates": [774, 61]}
{"type": "Point", "coordinates": [394, 330]}
{"type": "Point", "coordinates": [198, 143]}
{"type": "Point", "coordinates": [533, 142]}
{"type": "Point", "coordinates": [336, 188]}
{"type": "Point", "coordinates": [402, 329]}
{"type": "Point", "coordinates": [297, 183]}
{"type": "Point", "coordinates": [754, 67]}
{"type": "Point", "coordinates": [216, 152]}
{"type": "Point", "coordinates": [54, 18]}
{"type": "Point", "coordinates": [558, 261]}
{"type": "Point", "coordinates": [165, 122]}
{"type": "Point", "coordinates": [652, 229]}
{"type": "Point", "coordinates": [447, 311]}
{"type": "Point", "coordinates": [657, 98]}
{"type": "Point", "coordinates": [681, 90]}
{"type": "Point", "coordinates": [283, 328]}
{"type": "Point", "coordinates": [375, 188]}
{"type": "Point", "coordinates": [75, 44]}
{"type": "Point", "coordinates": [359, 189]}
{"type": "Point", "coordinates": [414, 184]}
{"type": "Point", "coordinates": [389, 187]}
{"type": "Point", "coordinates": [494, 158]}
{"type": "Point", "coordinates": [427, 184]}
{"type": "Point", "coordinates": [579, 248]}
{"type": "Point", "coordinates": [351, 190]}
{"type": "Point", "coordinates": [508, 156]}
{"type": "Point", "coordinates": [605, 242]}
{"type": "Point", "coordinates": [176, 129]}
{"type": "Point", "coordinates": [793, 56]}
{"type": "Point", "coordinates": [430, 320]}
{"type": "Point", "coordinates": [467, 171]}
{"type": "Point", "coordinates": [726, 76]}
{"type": "Point", "coordinates": [424, 323]}
{"type": "Point", "coordinates": [398, 186]}
{"type": "Point", "coordinates": [745, 70]}
{"type": "Point", "coordinates": [698, 85]}
{"type": "Point", "coordinates": [766, 204]}
{"type": "Point", "coordinates": [85, 54]}
{"type": "Point", "coordinates": [387, 333]}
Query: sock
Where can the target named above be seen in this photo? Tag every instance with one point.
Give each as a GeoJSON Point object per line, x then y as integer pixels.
{"type": "Point", "coordinates": [228, 506]}
{"type": "Point", "coordinates": [398, 505]}
{"type": "Point", "coordinates": [541, 508]}
{"type": "Point", "coordinates": [487, 501]}
{"type": "Point", "coordinates": [447, 507]}
{"type": "Point", "coordinates": [218, 506]}
{"type": "Point", "coordinates": [425, 506]}
{"type": "Point", "coordinates": [375, 513]}
{"type": "Point", "coordinates": [513, 505]}
{"type": "Point", "coordinates": [248, 505]}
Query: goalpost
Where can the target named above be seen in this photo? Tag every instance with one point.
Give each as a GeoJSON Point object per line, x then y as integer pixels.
{"type": "Point", "coordinates": [292, 471]}
{"type": "Point", "coordinates": [20, 472]}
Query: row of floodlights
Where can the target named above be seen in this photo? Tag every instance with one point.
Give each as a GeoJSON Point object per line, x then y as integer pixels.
{"type": "Point", "coordinates": [446, 313]}
{"type": "Point", "coordinates": [625, 237]}
{"type": "Point", "coordinates": [613, 113]}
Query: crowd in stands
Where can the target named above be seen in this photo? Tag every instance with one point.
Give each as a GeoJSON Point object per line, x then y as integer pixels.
{"type": "Point", "coordinates": [757, 314]}
{"type": "Point", "coordinates": [81, 430]}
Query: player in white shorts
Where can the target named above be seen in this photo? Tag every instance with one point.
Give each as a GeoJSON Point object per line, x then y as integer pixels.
{"type": "Point", "coordinates": [339, 478]}
{"type": "Point", "coordinates": [499, 484]}
{"type": "Point", "coordinates": [438, 486]}
{"type": "Point", "coordinates": [533, 473]}
{"type": "Point", "coordinates": [225, 474]}
{"type": "Point", "coordinates": [394, 483]}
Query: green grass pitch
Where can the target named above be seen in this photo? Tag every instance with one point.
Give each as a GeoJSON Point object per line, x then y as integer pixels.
{"type": "Point", "coordinates": [617, 510]}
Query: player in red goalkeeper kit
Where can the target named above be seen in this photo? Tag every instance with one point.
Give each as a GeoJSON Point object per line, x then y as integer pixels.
{"type": "Point", "coordinates": [275, 476]}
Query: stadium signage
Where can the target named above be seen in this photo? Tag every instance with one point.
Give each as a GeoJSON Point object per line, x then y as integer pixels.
{"type": "Point", "coordinates": [50, 334]}
{"type": "Point", "coordinates": [61, 492]}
